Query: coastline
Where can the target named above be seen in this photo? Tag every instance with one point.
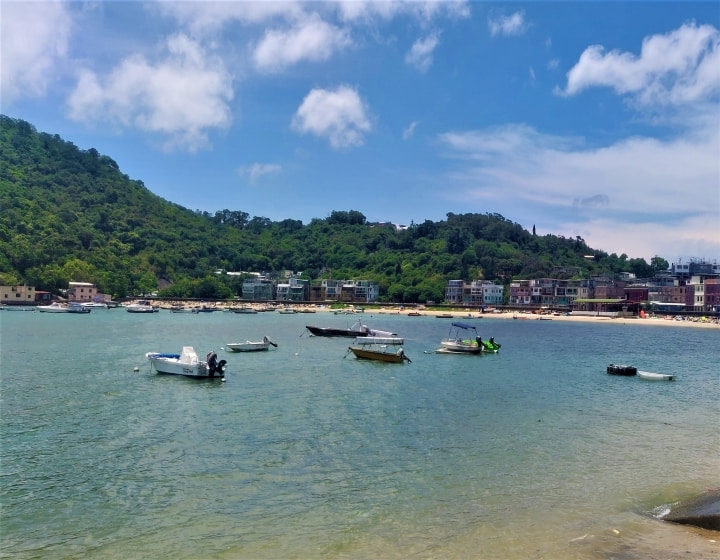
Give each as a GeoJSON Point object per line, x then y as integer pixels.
{"type": "Point", "coordinates": [658, 320]}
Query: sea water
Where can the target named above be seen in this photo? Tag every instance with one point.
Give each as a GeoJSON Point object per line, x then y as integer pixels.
{"type": "Point", "coordinates": [306, 452]}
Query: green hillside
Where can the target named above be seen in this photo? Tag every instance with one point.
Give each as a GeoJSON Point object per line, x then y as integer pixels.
{"type": "Point", "coordinates": [71, 214]}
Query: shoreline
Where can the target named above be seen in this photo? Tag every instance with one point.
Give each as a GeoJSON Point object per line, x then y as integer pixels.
{"type": "Point", "coordinates": [656, 320]}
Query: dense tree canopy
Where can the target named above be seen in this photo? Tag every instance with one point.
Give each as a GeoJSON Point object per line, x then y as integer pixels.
{"type": "Point", "coordinates": [71, 214]}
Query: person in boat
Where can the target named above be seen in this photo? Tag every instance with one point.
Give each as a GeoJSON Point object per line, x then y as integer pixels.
{"type": "Point", "coordinates": [492, 340]}
{"type": "Point", "coordinates": [479, 341]}
{"type": "Point", "coordinates": [212, 361]}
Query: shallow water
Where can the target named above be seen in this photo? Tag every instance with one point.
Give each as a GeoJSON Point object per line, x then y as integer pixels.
{"type": "Point", "coordinates": [306, 452]}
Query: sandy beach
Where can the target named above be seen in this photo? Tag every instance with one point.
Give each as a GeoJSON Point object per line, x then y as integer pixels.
{"type": "Point", "coordinates": [657, 320]}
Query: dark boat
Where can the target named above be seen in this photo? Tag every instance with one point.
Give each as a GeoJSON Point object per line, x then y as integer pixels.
{"type": "Point", "coordinates": [357, 329]}
{"type": "Point", "coordinates": [615, 369]}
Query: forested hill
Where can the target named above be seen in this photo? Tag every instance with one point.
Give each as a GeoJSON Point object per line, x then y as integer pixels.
{"type": "Point", "coordinates": [71, 214]}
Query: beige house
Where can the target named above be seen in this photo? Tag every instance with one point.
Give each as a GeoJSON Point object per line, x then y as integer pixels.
{"type": "Point", "coordinates": [17, 295]}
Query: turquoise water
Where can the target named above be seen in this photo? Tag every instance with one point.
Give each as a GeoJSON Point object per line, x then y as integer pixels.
{"type": "Point", "coordinates": [306, 452]}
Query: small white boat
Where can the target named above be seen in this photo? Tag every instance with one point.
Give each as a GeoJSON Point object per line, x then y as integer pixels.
{"type": "Point", "coordinates": [141, 307]}
{"type": "Point", "coordinates": [245, 309]}
{"type": "Point", "coordinates": [182, 309]}
{"type": "Point", "coordinates": [250, 346]}
{"type": "Point", "coordinates": [188, 364]}
{"type": "Point", "coordinates": [652, 376]}
{"type": "Point", "coordinates": [78, 308]}
{"type": "Point", "coordinates": [95, 305]}
{"type": "Point", "coordinates": [462, 339]}
{"type": "Point", "coordinates": [54, 307]}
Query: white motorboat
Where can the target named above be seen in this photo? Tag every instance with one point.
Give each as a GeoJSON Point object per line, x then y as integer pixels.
{"type": "Point", "coordinates": [188, 364]}
{"type": "Point", "coordinates": [141, 307]}
{"type": "Point", "coordinates": [250, 346]}
{"type": "Point", "coordinates": [54, 307]}
{"type": "Point", "coordinates": [652, 376]}
{"type": "Point", "coordinates": [462, 339]}
{"type": "Point", "coordinates": [95, 305]}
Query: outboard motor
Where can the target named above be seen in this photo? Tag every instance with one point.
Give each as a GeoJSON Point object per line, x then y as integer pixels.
{"type": "Point", "coordinates": [214, 366]}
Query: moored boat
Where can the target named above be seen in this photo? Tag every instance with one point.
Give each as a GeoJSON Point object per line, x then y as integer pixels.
{"type": "Point", "coordinates": [490, 345]}
{"type": "Point", "coordinates": [620, 369]}
{"type": "Point", "coordinates": [462, 339]}
{"type": "Point", "coordinates": [246, 309]}
{"type": "Point", "coordinates": [380, 349]}
{"type": "Point", "coordinates": [355, 330]}
{"type": "Point", "coordinates": [141, 307]}
{"type": "Point", "coordinates": [652, 376]}
{"type": "Point", "coordinates": [250, 346]}
{"type": "Point", "coordinates": [54, 307]}
{"type": "Point", "coordinates": [188, 364]}
{"type": "Point", "coordinates": [95, 304]}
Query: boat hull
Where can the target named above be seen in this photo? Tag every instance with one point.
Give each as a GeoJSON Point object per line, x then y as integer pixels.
{"type": "Point", "coordinates": [397, 357]}
{"type": "Point", "coordinates": [328, 331]}
{"type": "Point", "coordinates": [652, 376]}
{"type": "Point", "coordinates": [460, 347]}
{"type": "Point", "coordinates": [248, 346]}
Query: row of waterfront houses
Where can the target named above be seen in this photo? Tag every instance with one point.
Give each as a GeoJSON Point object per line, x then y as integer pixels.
{"type": "Point", "coordinates": [682, 288]}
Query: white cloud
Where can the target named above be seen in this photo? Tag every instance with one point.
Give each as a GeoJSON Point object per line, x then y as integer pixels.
{"type": "Point", "coordinates": [181, 96]}
{"type": "Point", "coordinates": [310, 39]}
{"type": "Point", "coordinates": [257, 170]}
{"type": "Point", "coordinates": [35, 37]}
{"type": "Point", "coordinates": [680, 67]}
{"type": "Point", "coordinates": [425, 12]}
{"type": "Point", "coordinates": [642, 195]}
{"type": "Point", "coordinates": [209, 17]}
{"type": "Point", "coordinates": [410, 130]}
{"type": "Point", "coordinates": [339, 115]}
{"type": "Point", "coordinates": [420, 55]}
{"type": "Point", "coordinates": [513, 24]}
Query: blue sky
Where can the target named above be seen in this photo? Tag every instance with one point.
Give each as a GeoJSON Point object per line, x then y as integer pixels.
{"type": "Point", "coordinates": [597, 119]}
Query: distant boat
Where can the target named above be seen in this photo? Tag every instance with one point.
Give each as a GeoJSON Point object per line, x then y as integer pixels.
{"type": "Point", "coordinates": [182, 309]}
{"type": "Point", "coordinates": [355, 330]}
{"type": "Point", "coordinates": [652, 376]}
{"type": "Point", "coordinates": [141, 307]}
{"type": "Point", "coordinates": [95, 305]}
{"type": "Point", "coordinates": [246, 309]}
{"type": "Point", "coordinates": [250, 346]}
{"type": "Point", "coordinates": [54, 307]}
{"type": "Point", "coordinates": [620, 369]}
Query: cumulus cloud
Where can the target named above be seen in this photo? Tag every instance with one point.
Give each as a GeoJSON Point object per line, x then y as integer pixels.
{"type": "Point", "coordinates": [181, 96]}
{"type": "Point", "coordinates": [210, 17]}
{"type": "Point", "coordinates": [602, 192]}
{"type": "Point", "coordinates": [513, 24]}
{"type": "Point", "coordinates": [420, 54]}
{"type": "Point", "coordinates": [310, 39]}
{"type": "Point", "coordinates": [338, 115]}
{"type": "Point", "coordinates": [257, 170]}
{"type": "Point", "coordinates": [679, 67]}
{"type": "Point", "coordinates": [35, 38]}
